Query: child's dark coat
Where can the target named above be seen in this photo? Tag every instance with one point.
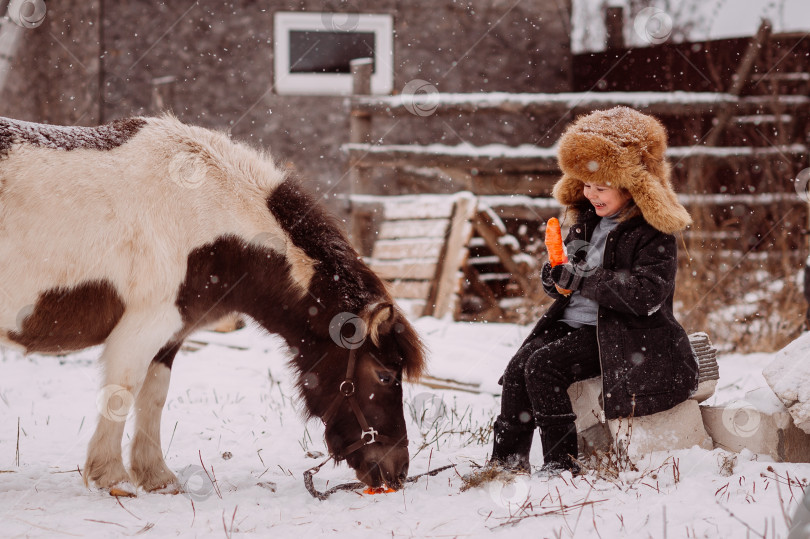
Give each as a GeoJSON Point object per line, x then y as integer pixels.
{"type": "Point", "coordinates": [647, 362]}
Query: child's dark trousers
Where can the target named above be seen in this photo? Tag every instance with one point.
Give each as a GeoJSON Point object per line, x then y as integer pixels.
{"type": "Point", "coordinates": [535, 387]}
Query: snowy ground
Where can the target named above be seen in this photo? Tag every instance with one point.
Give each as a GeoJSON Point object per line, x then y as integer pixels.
{"type": "Point", "coordinates": [233, 410]}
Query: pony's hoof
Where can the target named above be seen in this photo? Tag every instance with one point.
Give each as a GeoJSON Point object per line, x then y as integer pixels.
{"type": "Point", "coordinates": [157, 479]}
{"type": "Point", "coordinates": [124, 489]}
{"type": "Point", "coordinates": [170, 488]}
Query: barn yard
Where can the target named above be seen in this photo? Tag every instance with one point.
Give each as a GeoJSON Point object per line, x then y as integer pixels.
{"type": "Point", "coordinates": [233, 432]}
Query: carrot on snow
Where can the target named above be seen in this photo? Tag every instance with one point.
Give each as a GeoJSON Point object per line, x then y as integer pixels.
{"type": "Point", "coordinates": [378, 490]}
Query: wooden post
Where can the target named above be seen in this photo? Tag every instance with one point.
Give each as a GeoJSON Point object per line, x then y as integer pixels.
{"type": "Point", "coordinates": [447, 282]}
{"type": "Point", "coordinates": [614, 27]}
{"type": "Point", "coordinates": [359, 131]}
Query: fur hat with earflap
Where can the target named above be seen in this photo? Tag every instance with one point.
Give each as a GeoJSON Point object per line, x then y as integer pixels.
{"type": "Point", "coordinates": [621, 148]}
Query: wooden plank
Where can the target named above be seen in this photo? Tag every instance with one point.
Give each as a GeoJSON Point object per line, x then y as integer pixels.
{"type": "Point", "coordinates": [558, 105]}
{"type": "Point", "coordinates": [359, 132]}
{"type": "Point", "coordinates": [449, 275]}
{"type": "Point", "coordinates": [479, 288]}
{"type": "Point", "coordinates": [450, 180]}
{"type": "Point", "coordinates": [413, 228]}
{"type": "Point", "coordinates": [493, 277]}
{"type": "Point", "coordinates": [407, 248]}
{"type": "Point", "coordinates": [394, 208]}
{"type": "Point", "coordinates": [429, 208]}
{"type": "Point", "coordinates": [523, 207]}
{"type": "Point", "coordinates": [569, 105]}
{"type": "Point", "coordinates": [538, 160]}
{"type": "Point", "coordinates": [369, 156]}
{"type": "Point", "coordinates": [404, 269]}
{"type": "Point", "coordinates": [409, 289]}
{"type": "Point", "coordinates": [501, 184]}
{"type": "Point", "coordinates": [492, 229]}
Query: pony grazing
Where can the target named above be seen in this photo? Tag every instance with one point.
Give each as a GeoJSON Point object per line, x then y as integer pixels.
{"type": "Point", "coordinates": [136, 233]}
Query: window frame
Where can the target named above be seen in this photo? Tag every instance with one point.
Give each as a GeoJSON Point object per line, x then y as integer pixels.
{"type": "Point", "coordinates": [287, 83]}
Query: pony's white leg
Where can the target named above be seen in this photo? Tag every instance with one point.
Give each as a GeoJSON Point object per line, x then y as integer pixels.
{"type": "Point", "coordinates": [148, 468]}
{"type": "Point", "coordinates": [129, 349]}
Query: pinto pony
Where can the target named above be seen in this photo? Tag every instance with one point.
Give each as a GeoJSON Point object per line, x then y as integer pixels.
{"type": "Point", "coordinates": [136, 233]}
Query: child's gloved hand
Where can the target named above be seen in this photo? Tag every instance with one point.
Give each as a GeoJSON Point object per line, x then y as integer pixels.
{"type": "Point", "coordinates": [567, 276]}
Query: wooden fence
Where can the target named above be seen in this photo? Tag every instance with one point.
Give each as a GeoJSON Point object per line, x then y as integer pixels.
{"type": "Point", "coordinates": [737, 162]}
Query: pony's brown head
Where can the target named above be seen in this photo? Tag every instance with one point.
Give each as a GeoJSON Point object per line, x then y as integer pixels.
{"type": "Point", "coordinates": [356, 389]}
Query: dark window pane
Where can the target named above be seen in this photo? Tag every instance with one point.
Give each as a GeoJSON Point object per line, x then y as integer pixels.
{"type": "Point", "coordinates": [328, 52]}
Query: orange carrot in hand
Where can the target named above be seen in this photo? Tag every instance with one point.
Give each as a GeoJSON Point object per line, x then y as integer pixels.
{"type": "Point", "coordinates": [556, 251]}
{"type": "Point", "coordinates": [554, 243]}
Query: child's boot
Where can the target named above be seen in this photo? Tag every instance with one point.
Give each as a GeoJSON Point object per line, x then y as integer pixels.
{"type": "Point", "coordinates": [511, 446]}
{"type": "Point", "coordinates": [559, 448]}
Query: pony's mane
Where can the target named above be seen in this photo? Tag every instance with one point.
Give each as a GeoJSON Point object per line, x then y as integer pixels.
{"type": "Point", "coordinates": [253, 167]}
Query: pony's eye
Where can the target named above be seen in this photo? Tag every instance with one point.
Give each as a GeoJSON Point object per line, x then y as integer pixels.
{"type": "Point", "coordinates": [385, 377]}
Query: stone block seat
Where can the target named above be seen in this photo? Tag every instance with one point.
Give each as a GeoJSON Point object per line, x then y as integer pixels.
{"type": "Point", "coordinates": [680, 427]}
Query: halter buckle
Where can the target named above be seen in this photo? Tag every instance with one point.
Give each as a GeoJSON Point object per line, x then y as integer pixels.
{"type": "Point", "coordinates": [347, 388]}
{"type": "Point", "coordinates": [371, 433]}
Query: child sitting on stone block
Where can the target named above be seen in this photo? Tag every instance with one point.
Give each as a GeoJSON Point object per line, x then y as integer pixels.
{"type": "Point", "coordinates": [612, 315]}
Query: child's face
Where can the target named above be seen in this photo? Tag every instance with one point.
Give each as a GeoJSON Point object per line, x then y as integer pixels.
{"type": "Point", "coordinates": [606, 200]}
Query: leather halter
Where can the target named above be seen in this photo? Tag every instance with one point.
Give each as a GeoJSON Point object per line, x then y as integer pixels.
{"type": "Point", "coordinates": [346, 392]}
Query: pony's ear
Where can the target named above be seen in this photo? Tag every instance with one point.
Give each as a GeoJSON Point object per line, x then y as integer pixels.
{"type": "Point", "coordinates": [380, 321]}
{"type": "Point", "coordinates": [384, 319]}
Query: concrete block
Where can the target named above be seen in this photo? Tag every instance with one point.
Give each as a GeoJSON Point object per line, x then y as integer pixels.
{"type": "Point", "coordinates": [680, 427]}
{"type": "Point", "coordinates": [759, 423]}
{"type": "Point", "coordinates": [586, 401]}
